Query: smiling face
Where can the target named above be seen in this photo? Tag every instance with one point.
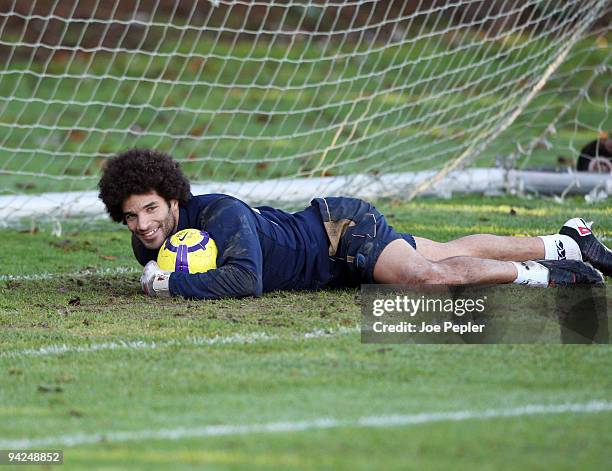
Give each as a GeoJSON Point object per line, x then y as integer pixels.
{"type": "Point", "coordinates": [151, 218]}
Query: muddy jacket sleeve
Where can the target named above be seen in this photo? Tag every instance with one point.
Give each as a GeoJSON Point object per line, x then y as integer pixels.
{"type": "Point", "coordinates": [233, 227]}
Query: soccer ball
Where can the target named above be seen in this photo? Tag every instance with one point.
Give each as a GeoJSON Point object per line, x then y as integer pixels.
{"type": "Point", "coordinates": [188, 251]}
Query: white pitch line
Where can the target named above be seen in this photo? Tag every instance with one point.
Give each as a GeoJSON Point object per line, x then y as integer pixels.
{"type": "Point", "coordinates": [78, 274]}
{"type": "Point", "coordinates": [300, 426]}
{"type": "Point", "coordinates": [239, 339]}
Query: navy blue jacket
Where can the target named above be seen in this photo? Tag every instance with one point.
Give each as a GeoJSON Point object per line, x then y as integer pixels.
{"type": "Point", "coordinates": [260, 249]}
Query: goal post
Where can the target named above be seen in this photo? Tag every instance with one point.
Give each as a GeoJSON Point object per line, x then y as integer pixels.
{"type": "Point", "coordinates": [265, 99]}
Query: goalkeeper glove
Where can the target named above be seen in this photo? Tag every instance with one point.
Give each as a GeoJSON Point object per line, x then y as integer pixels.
{"type": "Point", "coordinates": [155, 281]}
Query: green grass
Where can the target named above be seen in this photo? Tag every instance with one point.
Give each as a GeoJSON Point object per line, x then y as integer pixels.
{"type": "Point", "coordinates": [188, 383]}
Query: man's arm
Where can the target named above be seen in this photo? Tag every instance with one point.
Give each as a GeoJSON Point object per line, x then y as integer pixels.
{"type": "Point", "coordinates": [232, 225]}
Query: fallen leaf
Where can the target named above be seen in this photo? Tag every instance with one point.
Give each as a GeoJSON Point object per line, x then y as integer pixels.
{"type": "Point", "coordinates": [602, 42]}
{"type": "Point", "coordinates": [75, 301]}
{"type": "Point", "coordinates": [64, 378]}
{"type": "Point", "coordinates": [65, 245]}
{"type": "Point", "coordinates": [263, 118]}
{"type": "Point", "coordinates": [561, 160]}
{"type": "Point", "coordinates": [25, 185]}
{"type": "Point", "coordinates": [47, 388]}
{"type": "Point", "coordinates": [199, 130]}
{"type": "Point", "coordinates": [43, 325]}
{"type": "Point", "coordinates": [76, 135]}
{"type": "Point", "coordinates": [196, 64]}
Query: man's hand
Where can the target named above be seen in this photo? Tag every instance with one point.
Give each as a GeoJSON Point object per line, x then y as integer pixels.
{"type": "Point", "coordinates": [155, 281]}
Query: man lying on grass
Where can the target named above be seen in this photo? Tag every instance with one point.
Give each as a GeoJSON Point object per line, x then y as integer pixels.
{"type": "Point", "coordinates": [334, 242]}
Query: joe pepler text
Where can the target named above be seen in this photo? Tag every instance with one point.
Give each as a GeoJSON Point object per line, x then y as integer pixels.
{"type": "Point", "coordinates": [427, 328]}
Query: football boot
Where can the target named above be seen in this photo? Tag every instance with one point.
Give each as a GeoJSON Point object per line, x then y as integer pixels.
{"type": "Point", "coordinates": [593, 251]}
{"type": "Point", "coordinates": [571, 273]}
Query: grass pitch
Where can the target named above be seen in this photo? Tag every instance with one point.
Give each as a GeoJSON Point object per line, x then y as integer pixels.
{"type": "Point", "coordinates": [115, 379]}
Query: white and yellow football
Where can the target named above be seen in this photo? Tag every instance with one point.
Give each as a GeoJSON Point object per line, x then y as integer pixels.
{"type": "Point", "coordinates": [188, 251]}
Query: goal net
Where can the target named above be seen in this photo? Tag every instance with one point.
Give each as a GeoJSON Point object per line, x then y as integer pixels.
{"type": "Point", "coordinates": [292, 99]}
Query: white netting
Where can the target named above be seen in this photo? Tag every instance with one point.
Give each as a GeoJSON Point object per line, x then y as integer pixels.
{"type": "Point", "coordinates": [249, 91]}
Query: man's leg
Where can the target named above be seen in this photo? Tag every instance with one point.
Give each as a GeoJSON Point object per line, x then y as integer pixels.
{"type": "Point", "coordinates": [400, 263]}
{"type": "Point", "coordinates": [483, 246]}
{"type": "Point", "coordinates": [575, 241]}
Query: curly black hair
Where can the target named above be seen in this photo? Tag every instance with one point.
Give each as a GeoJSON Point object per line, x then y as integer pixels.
{"type": "Point", "coordinates": [139, 171]}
